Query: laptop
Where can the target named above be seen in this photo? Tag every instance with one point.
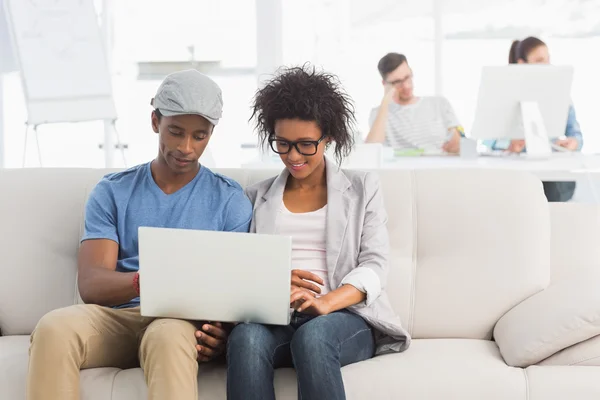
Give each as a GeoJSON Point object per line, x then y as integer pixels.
{"type": "Point", "coordinates": [215, 276]}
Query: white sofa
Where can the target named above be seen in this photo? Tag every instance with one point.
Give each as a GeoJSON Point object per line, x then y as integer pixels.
{"type": "Point", "coordinates": [470, 250]}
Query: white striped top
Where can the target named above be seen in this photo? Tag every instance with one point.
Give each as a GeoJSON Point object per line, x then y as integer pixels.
{"type": "Point", "coordinates": [421, 125]}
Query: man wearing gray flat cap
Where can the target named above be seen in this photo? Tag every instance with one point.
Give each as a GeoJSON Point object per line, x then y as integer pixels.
{"type": "Point", "coordinates": [171, 191]}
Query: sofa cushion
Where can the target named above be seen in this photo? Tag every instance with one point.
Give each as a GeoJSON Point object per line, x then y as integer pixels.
{"type": "Point", "coordinates": [566, 313]}
{"type": "Point", "coordinates": [130, 385]}
{"type": "Point", "coordinates": [97, 383]}
{"type": "Point", "coordinates": [482, 247]}
{"type": "Point", "coordinates": [585, 353]}
{"type": "Point", "coordinates": [562, 383]}
{"type": "Point", "coordinates": [437, 369]}
{"type": "Point", "coordinates": [429, 369]}
{"type": "Point", "coordinates": [575, 238]}
{"type": "Point", "coordinates": [433, 368]}
{"type": "Point", "coordinates": [468, 369]}
{"type": "Point", "coordinates": [14, 352]}
{"type": "Point", "coordinates": [40, 232]}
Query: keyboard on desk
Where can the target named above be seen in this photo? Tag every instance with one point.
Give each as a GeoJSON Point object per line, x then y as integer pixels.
{"type": "Point", "coordinates": [494, 153]}
{"type": "Point", "coordinates": [525, 156]}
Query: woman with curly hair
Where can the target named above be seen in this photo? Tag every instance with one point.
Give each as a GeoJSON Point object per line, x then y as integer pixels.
{"type": "Point", "coordinates": [337, 221]}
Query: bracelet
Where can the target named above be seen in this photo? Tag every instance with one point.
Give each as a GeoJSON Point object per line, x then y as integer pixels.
{"type": "Point", "coordinates": [136, 283]}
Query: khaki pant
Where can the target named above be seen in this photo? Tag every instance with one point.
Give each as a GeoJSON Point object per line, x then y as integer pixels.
{"type": "Point", "coordinates": [89, 336]}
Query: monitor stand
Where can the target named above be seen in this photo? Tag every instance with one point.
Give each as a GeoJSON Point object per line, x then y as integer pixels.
{"type": "Point", "coordinates": [536, 135]}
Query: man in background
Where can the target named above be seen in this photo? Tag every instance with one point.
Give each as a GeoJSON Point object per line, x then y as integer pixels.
{"type": "Point", "coordinates": [404, 121]}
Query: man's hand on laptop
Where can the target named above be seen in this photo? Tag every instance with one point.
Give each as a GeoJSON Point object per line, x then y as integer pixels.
{"type": "Point", "coordinates": [211, 341]}
{"type": "Point", "coordinates": [306, 280]}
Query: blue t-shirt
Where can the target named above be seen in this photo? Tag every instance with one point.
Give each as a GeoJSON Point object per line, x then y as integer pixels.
{"type": "Point", "coordinates": [122, 202]}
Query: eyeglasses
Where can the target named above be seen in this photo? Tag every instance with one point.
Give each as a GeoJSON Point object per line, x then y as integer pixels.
{"type": "Point", "coordinates": [304, 147]}
{"type": "Point", "coordinates": [399, 82]}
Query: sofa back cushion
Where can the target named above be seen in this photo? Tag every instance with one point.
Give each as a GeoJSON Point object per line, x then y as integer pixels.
{"type": "Point", "coordinates": [575, 239]}
{"type": "Point", "coordinates": [466, 245]}
{"type": "Point", "coordinates": [41, 212]}
{"type": "Point", "coordinates": [482, 246]}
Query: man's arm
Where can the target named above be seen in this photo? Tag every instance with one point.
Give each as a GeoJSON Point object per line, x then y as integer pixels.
{"type": "Point", "coordinates": [98, 281]}
{"type": "Point", "coordinates": [97, 278]}
{"type": "Point", "coordinates": [574, 137]}
{"type": "Point", "coordinates": [238, 213]}
{"type": "Point", "coordinates": [452, 145]}
{"type": "Point", "coordinates": [377, 131]}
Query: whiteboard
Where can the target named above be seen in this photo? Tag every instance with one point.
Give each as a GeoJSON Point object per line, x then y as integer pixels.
{"type": "Point", "coordinates": [7, 58]}
{"type": "Point", "coordinates": [61, 58]}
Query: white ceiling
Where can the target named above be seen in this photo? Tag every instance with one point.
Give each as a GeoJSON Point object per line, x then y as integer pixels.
{"type": "Point", "coordinates": [558, 17]}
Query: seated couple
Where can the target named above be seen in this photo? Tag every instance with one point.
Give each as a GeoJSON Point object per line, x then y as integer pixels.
{"type": "Point", "coordinates": [341, 313]}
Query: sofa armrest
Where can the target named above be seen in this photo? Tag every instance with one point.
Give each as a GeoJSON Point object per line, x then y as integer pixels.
{"type": "Point", "coordinates": [586, 353]}
{"type": "Point", "coordinates": [564, 314]}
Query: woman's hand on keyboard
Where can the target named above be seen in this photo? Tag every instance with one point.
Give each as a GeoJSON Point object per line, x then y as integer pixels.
{"type": "Point", "coordinates": [516, 146]}
{"type": "Point", "coordinates": [569, 143]}
{"type": "Point", "coordinates": [306, 280]}
{"type": "Point", "coordinates": [303, 300]}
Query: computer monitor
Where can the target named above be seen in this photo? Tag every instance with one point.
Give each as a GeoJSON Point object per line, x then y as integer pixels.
{"type": "Point", "coordinates": [517, 101]}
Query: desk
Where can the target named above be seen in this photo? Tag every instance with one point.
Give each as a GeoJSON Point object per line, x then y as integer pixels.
{"type": "Point", "coordinates": [559, 167]}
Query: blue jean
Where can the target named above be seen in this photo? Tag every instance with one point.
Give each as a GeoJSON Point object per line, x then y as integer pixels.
{"type": "Point", "coordinates": [317, 347]}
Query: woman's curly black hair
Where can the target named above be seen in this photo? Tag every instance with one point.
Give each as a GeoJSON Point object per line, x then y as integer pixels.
{"type": "Point", "coordinates": [306, 94]}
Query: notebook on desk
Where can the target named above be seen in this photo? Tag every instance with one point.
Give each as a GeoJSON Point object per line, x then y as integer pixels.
{"type": "Point", "coordinates": [420, 153]}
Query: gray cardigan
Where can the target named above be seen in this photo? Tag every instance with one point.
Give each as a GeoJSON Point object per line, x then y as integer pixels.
{"type": "Point", "coordinates": [356, 237]}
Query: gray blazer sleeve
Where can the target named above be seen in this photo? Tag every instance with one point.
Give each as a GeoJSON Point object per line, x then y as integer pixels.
{"type": "Point", "coordinates": [375, 241]}
{"type": "Point", "coordinates": [370, 275]}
